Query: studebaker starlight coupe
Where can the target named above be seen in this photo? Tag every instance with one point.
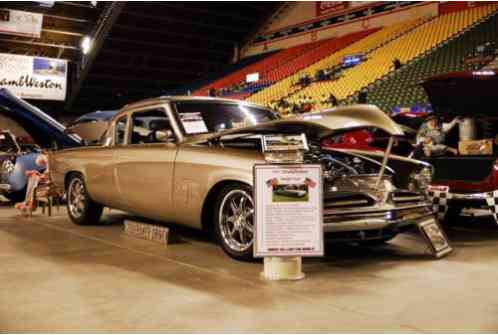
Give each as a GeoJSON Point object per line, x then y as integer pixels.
{"type": "Point", "coordinates": [194, 166]}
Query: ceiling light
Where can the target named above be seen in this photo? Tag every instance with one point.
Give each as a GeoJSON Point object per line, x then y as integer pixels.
{"type": "Point", "coordinates": [86, 44]}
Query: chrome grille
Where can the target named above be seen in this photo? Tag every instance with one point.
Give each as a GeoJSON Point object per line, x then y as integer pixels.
{"type": "Point", "coordinates": [347, 199]}
{"type": "Point", "coordinates": [406, 197]}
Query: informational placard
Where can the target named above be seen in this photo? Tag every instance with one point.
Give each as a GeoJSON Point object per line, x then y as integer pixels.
{"type": "Point", "coordinates": [21, 23]}
{"type": "Point", "coordinates": [289, 210]}
{"type": "Point", "coordinates": [435, 237]}
{"type": "Point", "coordinates": [34, 77]}
{"type": "Point", "coordinates": [193, 123]}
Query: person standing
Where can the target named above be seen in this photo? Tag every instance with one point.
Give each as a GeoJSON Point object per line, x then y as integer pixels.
{"type": "Point", "coordinates": [363, 95]}
{"type": "Point", "coordinates": [333, 100]}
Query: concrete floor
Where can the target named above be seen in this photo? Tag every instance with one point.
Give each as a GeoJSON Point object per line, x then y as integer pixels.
{"type": "Point", "coordinates": [56, 276]}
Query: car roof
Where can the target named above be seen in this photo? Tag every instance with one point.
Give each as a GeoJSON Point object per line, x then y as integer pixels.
{"type": "Point", "coordinates": [180, 98]}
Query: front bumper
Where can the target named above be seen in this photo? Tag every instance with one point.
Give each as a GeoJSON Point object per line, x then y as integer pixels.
{"type": "Point", "coordinates": [478, 197]}
{"type": "Point", "coordinates": [391, 219]}
{"type": "Point", "coordinates": [445, 201]}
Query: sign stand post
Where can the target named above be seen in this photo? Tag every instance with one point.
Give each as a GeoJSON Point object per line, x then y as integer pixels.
{"type": "Point", "coordinates": [288, 204]}
{"type": "Point", "coordinates": [282, 268]}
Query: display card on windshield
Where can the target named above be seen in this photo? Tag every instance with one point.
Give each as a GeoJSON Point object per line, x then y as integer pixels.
{"type": "Point", "coordinates": [193, 123]}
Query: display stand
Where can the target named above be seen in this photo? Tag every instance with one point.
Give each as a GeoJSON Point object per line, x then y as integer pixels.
{"type": "Point", "coordinates": [282, 268]}
{"type": "Point", "coordinates": [285, 187]}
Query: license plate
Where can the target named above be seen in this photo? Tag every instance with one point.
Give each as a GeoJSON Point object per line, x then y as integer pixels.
{"type": "Point", "coordinates": [438, 188]}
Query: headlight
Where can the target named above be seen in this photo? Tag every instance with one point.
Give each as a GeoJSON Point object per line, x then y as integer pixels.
{"type": "Point", "coordinates": [420, 181]}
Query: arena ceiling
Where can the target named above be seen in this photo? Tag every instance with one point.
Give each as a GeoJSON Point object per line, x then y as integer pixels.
{"type": "Point", "coordinates": [140, 49]}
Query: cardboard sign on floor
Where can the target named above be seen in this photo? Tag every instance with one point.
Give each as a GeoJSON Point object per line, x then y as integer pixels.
{"type": "Point", "coordinates": [146, 231]}
{"type": "Point", "coordinates": [435, 237]}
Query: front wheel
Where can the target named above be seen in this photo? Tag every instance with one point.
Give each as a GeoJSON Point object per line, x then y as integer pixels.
{"type": "Point", "coordinates": [234, 221]}
{"type": "Point", "coordinates": [81, 208]}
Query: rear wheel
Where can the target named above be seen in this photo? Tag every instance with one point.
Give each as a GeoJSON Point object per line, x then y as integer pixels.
{"type": "Point", "coordinates": [81, 208]}
{"type": "Point", "coordinates": [234, 221]}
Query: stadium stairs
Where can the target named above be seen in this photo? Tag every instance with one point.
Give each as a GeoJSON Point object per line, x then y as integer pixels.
{"type": "Point", "coordinates": [275, 60]}
{"type": "Point", "coordinates": [192, 87]}
{"type": "Point", "coordinates": [431, 37]}
{"type": "Point", "coordinates": [319, 50]}
{"type": "Point", "coordinates": [412, 43]}
{"type": "Point", "coordinates": [286, 89]}
{"type": "Point", "coordinates": [400, 87]}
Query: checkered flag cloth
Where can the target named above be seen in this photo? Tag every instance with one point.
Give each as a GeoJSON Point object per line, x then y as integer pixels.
{"type": "Point", "coordinates": [439, 202]}
{"type": "Point", "coordinates": [492, 202]}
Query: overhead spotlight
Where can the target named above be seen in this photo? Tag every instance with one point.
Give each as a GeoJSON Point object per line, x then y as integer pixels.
{"type": "Point", "coordinates": [86, 44]}
{"type": "Point", "coordinates": [48, 4]}
{"type": "Point", "coordinates": [93, 3]}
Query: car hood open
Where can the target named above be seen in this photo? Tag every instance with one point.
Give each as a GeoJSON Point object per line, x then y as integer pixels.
{"type": "Point", "coordinates": [44, 130]}
{"type": "Point", "coordinates": [463, 93]}
{"type": "Point", "coordinates": [318, 125]}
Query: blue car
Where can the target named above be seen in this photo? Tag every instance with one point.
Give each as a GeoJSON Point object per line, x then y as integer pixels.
{"type": "Point", "coordinates": [16, 159]}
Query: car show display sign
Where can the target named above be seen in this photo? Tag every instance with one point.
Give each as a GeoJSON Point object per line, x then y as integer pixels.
{"type": "Point", "coordinates": [146, 231]}
{"type": "Point", "coordinates": [285, 143]}
{"type": "Point", "coordinates": [289, 208]}
{"type": "Point", "coordinates": [20, 23]}
{"type": "Point", "coordinates": [435, 237]}
{"type": "Point", "coordinates": [34, 77]}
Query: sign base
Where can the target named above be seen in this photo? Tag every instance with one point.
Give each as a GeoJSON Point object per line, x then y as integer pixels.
{"type": "Point", "coordinates": [282, 268]}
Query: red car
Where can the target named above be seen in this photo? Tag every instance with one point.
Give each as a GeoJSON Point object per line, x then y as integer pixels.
{"type": "Point", "coordinates": [372, 140]}
{"type": "Point", "coordinates": [466, 181]}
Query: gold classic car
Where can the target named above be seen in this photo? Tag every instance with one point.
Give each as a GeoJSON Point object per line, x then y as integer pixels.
{"type": "Point", "coordinates": [193, 164]}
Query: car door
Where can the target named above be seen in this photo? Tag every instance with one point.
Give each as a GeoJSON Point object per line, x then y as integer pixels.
{"type": "Point", "coordinates": [144, 165]}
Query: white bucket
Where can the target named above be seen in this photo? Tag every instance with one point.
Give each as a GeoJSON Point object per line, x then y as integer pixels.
{"type": "Point", "coordinates": [282, 268]}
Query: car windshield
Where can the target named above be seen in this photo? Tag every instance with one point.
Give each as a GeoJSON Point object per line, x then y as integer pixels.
{"type": "Point", "coordinates": [199, 117]}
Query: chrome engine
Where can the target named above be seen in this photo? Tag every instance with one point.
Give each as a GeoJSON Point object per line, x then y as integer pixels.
{"type": "Point", "coordinates": [351, 181]}
{"type": "Point", "coordinates": [338, 164]}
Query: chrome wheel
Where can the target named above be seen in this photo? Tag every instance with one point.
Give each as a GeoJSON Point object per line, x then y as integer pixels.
{"type": "Point", "coordinates": [76, 197]}
{"type": "Point", "coordinates": [236, 217]}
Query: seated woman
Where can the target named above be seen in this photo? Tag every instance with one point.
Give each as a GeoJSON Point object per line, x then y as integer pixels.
{"type": "Point", "coordinates": [34, 179]}
{"type": "Point", "coordinates": [432, 137]}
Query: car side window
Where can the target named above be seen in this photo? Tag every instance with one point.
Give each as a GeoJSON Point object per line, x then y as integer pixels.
{"type": "Point", "coordinates": [151, 126]}
{"type": "Point", "coordinates": [120, 131]}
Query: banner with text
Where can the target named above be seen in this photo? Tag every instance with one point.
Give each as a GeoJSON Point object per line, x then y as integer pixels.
{"type": "Point", "coordinates": [16, 22]}
{"type": "Point", "coordinates": [330, 7]}
{"type": "Point", "coordinates": [34, 77]}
